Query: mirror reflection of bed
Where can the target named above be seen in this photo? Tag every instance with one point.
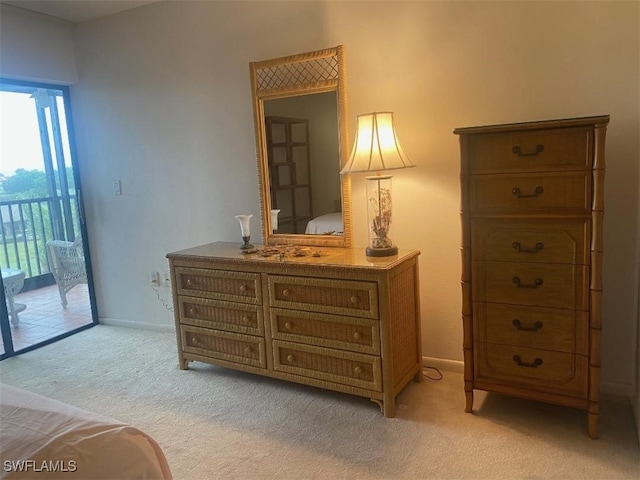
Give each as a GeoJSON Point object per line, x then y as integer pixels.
{"type": "Point", "coordinates": [327, 224]}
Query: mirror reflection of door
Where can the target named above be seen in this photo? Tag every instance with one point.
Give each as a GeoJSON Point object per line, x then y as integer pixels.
{"type": "Point", "coordinates": [46, 281]}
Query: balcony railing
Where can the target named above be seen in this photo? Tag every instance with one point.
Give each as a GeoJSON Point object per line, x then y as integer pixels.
{"type": "Point", "coordinates": [26, 227]}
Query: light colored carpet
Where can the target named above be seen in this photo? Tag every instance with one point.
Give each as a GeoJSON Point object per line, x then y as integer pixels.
{"type": "Point", "coordinates": [214, 423]}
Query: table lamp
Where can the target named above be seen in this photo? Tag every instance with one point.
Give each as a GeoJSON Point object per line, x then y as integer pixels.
{"type": "Point", "coordinates": [376, 149]}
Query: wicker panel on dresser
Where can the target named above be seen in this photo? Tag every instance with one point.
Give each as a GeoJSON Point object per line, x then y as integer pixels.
{"type": "Point", "coordinates": [531, 210]}
{"type": "Point", "coordinates": [340, 320]}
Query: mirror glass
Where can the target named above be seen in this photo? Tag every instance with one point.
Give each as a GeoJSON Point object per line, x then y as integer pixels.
{"type": "Point", "coordinates": [299, 110]}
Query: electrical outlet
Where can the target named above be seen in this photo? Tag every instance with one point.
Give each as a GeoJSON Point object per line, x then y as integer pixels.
{"type": "Point", "coordinates": [154, 278]}
{"type": "Point", "coordinates": [166, 279]}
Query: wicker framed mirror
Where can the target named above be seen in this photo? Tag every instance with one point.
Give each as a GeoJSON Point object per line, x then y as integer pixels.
{"type": "Point", "coordinates": [299, 105]}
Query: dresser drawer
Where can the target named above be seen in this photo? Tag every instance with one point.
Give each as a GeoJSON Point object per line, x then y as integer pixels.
{"type": "Point", "coordinates": [555, 329]}
{"type": "Point", "coordinates": [544, 241]}
{"type": "Point", "coordinates": [546, 370]}
{"type": "Point", "coordinates": [534, 284]}
{"type": "Point", "coordinates": [527, 193]}
{"type": "Point", "coordinates": [334, 331]}
{"type": "Point", "coordinates": [219, 284]}
{"type": "Point", "coordinates": [232, 347]}
{"type": "Point", "coordinates": [530, 151]}
{"type": "Point", "coordinates": [221, 315]}
{"type": "Point", "coordinates": [339, 297]}
{"type": "Point", "coordinates": [354, 369]}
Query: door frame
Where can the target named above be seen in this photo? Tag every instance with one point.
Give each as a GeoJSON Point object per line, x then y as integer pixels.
{"type": "Point", "coordinates": [4, 320]}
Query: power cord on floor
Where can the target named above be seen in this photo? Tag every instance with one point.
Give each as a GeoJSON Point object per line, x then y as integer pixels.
{"type": "Point", "coordinates": [438, 377]}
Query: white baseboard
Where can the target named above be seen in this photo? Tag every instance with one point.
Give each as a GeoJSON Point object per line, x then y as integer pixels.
{"type": "Point", "coordinates": [139, 325]}
{"type": "Point", "coordinates": [617, 389]}
{"type": "Point", "coordinates": [444, 364]}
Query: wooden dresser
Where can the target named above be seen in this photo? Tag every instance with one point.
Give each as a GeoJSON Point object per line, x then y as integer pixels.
{"type": "Point", "coordinates": [532, 207]}
{"type": "Point", "coordinates": [339, 321]}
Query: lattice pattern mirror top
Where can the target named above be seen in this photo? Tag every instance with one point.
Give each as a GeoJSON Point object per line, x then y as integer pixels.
{"type": "Point", "coordinates": [301, 140]}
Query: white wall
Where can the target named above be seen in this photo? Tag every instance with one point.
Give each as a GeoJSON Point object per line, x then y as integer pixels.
{"type": "Point", "coordinates": [163, 103]}
{"type": "Point", "coordinates": [35, 49]}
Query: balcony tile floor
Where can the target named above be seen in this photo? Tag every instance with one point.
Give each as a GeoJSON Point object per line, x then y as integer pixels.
{"type": "Point", "coordinates": [44, 316]}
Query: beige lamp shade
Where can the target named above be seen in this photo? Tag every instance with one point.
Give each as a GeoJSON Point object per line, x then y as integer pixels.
{"type": "Point", "coordinates": [376, 146]}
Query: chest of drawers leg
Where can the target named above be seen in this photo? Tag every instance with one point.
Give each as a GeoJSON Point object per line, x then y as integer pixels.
{"type": "Point", "coordinates": [531, 211]}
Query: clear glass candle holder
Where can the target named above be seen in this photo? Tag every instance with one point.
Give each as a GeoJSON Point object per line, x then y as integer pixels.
{"type": "Point", "coordinates": [245, 230]}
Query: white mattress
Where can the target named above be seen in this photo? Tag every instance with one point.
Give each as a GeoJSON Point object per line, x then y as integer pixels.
{"type": "Point", "coordinates": [44, 438]}
{"type": "Point", "coordinates": [329, 224]}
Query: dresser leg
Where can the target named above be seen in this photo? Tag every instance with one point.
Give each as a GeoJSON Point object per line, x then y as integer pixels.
{"type": "Point", "coordinates": [469, 401]}
{"type": "Point", "coordinates": [183, 363]}
{"type": "Point", "coordinates": [592, 419]}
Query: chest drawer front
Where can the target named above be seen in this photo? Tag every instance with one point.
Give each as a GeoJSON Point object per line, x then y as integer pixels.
{"type": "Point", "coordinates": [336, 366]}
{"type": "Point", "coordinates": [562, 241]}
{"type": "Point", "coordinates": [221, 315]}
{"type": "Point", "coordinates": [533, 150]}
{"type": "Point", "coordinates": [530, 193]}
{"type": "Point", "coordinates": [219, 284]}
{"type": "Point", "coordinates": [333, 331]}
{"type": "Point", "coordinates": [549, 371]}
{"type": "Point", "coordinates": [534, 284]}
{"type": "Point", "coordinates": [339, 297]}
{"type": "Point", "coordinates": [231, 347]}
{"type": "Point", "coordinates": [555, 329]}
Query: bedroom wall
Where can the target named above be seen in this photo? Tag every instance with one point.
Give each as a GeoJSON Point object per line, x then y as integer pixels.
{"type": "Point", "coordinates": [32, 48]}
{"type": "Point", "coordinates": [163, 104]}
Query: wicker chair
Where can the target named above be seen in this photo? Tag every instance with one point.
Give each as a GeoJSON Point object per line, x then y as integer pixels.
{"type": "Point", "coordinates": [66, 260]}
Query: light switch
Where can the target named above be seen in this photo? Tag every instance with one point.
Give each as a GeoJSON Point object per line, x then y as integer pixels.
{"type": "Point", "coordinates": [117, 190]}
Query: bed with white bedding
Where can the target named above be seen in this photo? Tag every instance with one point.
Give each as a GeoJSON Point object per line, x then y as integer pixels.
{"type": "Point", "coordinates": [329, 224]}
{"type": "Point", "coordinates": [43, 438]}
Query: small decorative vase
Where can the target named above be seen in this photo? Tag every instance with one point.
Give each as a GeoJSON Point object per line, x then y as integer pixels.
{"type": "Point", "coordinates": [274, 220]}
{"type": "Point", "coordinates": [245, 230]}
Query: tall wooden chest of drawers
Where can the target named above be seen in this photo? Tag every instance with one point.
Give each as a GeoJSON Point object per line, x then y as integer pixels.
{"type": "Point", "coordinates": [532, 208]}
{"type": "Point", "coordinates": [340, 320]}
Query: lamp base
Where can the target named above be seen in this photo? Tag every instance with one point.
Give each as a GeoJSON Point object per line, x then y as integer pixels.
{"type": "Point", "coordinates": [382, 252]}
{"type": "Point", "coordinates": [246, 245]}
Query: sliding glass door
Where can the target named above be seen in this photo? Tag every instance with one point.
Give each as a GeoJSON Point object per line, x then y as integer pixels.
{"type": "Point", "coordinates": [44, 256]}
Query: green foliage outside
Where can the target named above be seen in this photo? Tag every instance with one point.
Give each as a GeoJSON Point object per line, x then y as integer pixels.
{"type": "Point", "coordinates": [25, 249]}
{"type": "Point", "coordinates": [24, 184]}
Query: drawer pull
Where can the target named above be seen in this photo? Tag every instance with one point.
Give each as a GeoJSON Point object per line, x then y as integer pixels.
{"type": "Point", "coordinates": [195, 340]}
{"type": "Point", "coordinates": [535, 364]}
{"type": "Point", "coordinates": [537, 283]}
{"type": "Point", "coordinates": [245, 319]}
{"type": "Point", "coordinates": [536, 326]}
{"type": "Point", "coordinates": [193, 311]}
{"type": "Point", "coordinates": [356, 335]}
{"type": "Point", "coordinates": [357, 370]}
{"type": "Point", "coordinates": [248, 350]}
{"type": "Point", "coordinates": [190, 282]}
{"type": "Point", "coordinates": [519, 248]}
{"type": "Point", "coordinates": [518, 151]}
{"type": "Point", "coordinates": [354, 300]}
{"type": "Point", "coordinates": [243, 288]}
{"type": "Point", "coordinates": [288, 325]}
{"type": "Point", "coordinates": [291, 358]}
{"type": "Point", "coordinates": [516, 192]}
{"type": "Point", "coordinates": [286, 292]}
